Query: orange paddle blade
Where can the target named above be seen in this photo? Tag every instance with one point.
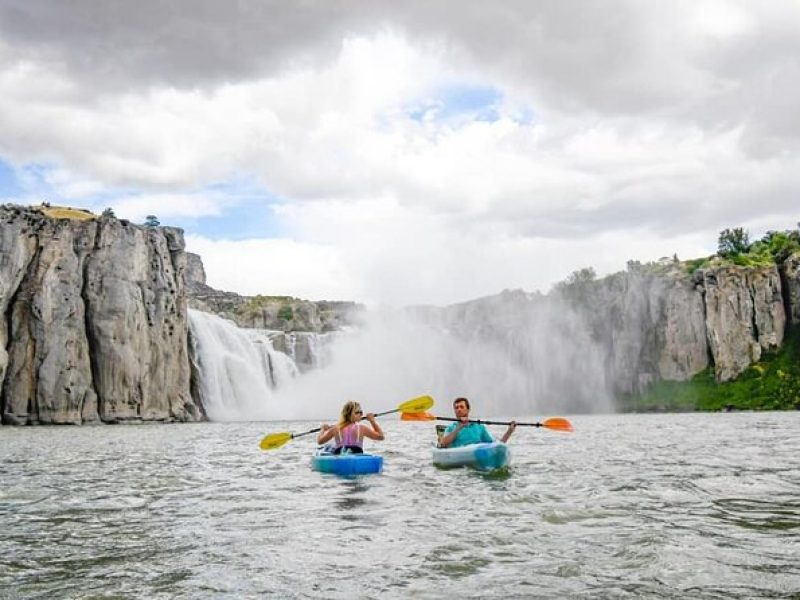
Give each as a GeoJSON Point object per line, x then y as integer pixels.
{"type": "Point", "coordinates": [417, 416]}
{"type": "Point", "coordinates": [558, 423]}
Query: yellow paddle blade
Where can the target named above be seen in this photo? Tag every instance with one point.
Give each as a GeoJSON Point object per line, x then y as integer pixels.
{"type": "Point", "coordinates": [416, 405]}
{"type": "Point", "coordinates": [557, 423]}
{"type": "Point", "coordinates": [417, 416]}
{"type": "Point", "coordinates": [275, 440]}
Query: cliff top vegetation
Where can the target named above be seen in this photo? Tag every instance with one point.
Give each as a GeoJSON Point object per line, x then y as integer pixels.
{"type": "Point", "coordinates": [733, 248]}
{"type": "Point", "coordinates": [66, 212]}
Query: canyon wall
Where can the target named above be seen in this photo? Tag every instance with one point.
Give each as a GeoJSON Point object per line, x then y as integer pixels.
{"type": "Point", "coordinates": [648, 325]}
{"type": "Point", "coordinates": [95, 323]}
{"type": "Point", "coordinates": [96, 329]}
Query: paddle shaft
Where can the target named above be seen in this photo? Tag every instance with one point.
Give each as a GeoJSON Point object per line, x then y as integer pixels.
{"type": "Point", "coordinates": [482, 422]}
{"type": "Point", "coordinates": [380, 414]}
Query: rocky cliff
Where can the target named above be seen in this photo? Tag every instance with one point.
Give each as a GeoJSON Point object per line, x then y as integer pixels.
{"type": "Point", "coordinates": [95, 324]}
{"type": "Point", "coordinates": [672, 325]}
{"type": "Point", "coordinates": [646, 325]}
{"type": "Point", "coordinates": [276, 313]}
{"type": "Point", "coordinates": [297, 326]}
{"type": "Point", "coordinates": [790, 280]}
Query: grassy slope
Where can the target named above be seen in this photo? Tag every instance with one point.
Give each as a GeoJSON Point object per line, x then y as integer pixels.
{"type": "Point", "coordinates": [63, 212]}
{"type": "Point", "coordinates": [770, 384]}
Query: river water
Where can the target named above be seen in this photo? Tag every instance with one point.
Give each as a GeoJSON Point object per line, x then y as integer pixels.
{"type": "Point", "coordinates": [627, 506]}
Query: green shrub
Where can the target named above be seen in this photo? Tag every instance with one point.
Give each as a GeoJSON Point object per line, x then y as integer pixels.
{"type": "Point", "coordinates": [696, 263]}
{"type": "Point", "coordinates": [286, 313]}
{"type": "Point", "coordinates": [771, 384]}
{"type": "Point", "coordinates": [774, 247]}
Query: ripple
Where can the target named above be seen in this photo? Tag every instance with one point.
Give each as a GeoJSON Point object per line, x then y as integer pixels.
{"type": "Point", "coordinates": [759, 514]}
{"type": "Point", "coordinates": [630, 506]}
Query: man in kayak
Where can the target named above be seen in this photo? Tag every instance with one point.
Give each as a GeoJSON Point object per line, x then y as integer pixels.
{"type": "Point", "coordinates": [349, 433]}
{"type": "Point", "coordinates": [464, 433]}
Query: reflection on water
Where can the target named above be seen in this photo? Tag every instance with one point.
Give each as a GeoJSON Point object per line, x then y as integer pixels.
{"type": "Point", "coordinates": [350, 498]}
{"type": "Point", "coordinates": [671, 506]}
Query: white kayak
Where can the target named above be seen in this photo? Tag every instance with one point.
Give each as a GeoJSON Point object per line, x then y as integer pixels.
{"type": "Point", "coordinates": [485, 457]}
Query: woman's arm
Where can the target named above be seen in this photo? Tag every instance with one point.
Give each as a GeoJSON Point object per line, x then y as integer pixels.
{"type": "Point", "coordinates": [375, 432]}
{"type": "Point", "coordinates": [327, 433]}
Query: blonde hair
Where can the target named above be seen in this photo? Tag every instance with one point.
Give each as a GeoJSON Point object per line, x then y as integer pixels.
{"type": "Point", "coordinates": [348, 410]}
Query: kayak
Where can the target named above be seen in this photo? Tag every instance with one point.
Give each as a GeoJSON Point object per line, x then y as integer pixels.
{"type": "Point", "coordinates": [486, 457]}
{"type": "Point", "coordinates": [346, 464]}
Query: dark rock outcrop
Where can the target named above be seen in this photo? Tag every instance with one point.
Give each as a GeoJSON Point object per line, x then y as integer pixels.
{"type": "Point", "coordinates": [791, 276]}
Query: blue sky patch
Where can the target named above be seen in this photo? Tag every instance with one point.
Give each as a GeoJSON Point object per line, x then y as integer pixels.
{"type": "Point", "coordinates": [247, 218]}
{"type": "Point", "coordinates": [459, 101]}
{"type": "Point", "coordinates": [245, 205]}
{"type": "Point", "coordinates": [9, 186]}
{"type": "Point", "coordinates": [245, 213]}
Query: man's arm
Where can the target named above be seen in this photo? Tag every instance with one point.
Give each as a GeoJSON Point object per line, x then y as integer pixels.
{"type": "Point", "coordinates": [511, 427]}
{"type": "Point", "coordinates": [449, 438]}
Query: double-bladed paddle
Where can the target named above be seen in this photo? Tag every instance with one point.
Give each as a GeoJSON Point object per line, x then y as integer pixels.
{"type": "Point", "coordinates": [415, 405]}
{"type": "Point", "coordinates": [556, 423]}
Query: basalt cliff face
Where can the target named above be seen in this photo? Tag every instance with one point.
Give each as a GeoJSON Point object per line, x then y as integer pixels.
{"type": "Point", "coordinates": [644, 326]}
{"type": "Point", "coordinates": [276, 313]}
{"type": "Point", "coordinates": [95, 325]}
{"type": "Point", "coordinates": [673, 325]}
{"type": "Point", "coordinates": [298, 327]}
{"type": "Point", "coordinates": [96, 329]}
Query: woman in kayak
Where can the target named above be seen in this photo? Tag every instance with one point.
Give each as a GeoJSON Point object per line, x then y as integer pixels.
{"type": "Point", "coordinates": [464, 433]}
{"type": "Point", "coordinates": [349, 432]}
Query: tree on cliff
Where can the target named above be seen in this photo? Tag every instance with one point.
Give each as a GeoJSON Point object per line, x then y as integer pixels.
{"type": "Point", "coordinates": [576, 280]}
{"type": "Point", "coordinates": [584, 275]}
{"type": "Point", "coordinates": [732, 242]}
{"type": "Point", "coordinates": [151, 221]}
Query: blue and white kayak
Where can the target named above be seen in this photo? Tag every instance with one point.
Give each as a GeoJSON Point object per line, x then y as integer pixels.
{"type": "Point", "coordinates": [346, 464]}
{"type": "Point", "coordinates": [485, 457]}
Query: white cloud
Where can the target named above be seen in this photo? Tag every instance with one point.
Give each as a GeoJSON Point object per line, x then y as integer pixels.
{"type": "Point", "coordinates": [166, 206]}
{"type": "Point", "coordinates": [380, 252]}
{"type": "Point", "coordinates": [621, 131]}
{"type": "Point", "coordinates": [274, 267]}
{"type": "Point", "coordinates": [722, 19]}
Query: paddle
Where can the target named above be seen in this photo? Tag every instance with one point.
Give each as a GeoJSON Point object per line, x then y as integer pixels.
{"type": "Point", "coordinates": [415, 405]}
{"type": "Point", "coordinates": [555, 423]}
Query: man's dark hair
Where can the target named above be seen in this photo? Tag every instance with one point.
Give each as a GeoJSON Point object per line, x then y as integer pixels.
{"type": "Point", "coordinates": [464, 400]}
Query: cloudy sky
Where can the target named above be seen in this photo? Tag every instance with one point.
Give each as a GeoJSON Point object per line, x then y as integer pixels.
{"type": "Point", "coordinates": [408, 152]}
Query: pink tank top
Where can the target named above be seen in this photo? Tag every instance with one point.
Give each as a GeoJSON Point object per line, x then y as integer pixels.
{"type": "Point", "coordinates": [350, 436]}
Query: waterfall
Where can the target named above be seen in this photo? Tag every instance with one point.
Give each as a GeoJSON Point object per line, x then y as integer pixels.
{"type": "Point", "coordinates": [515, 354]}
{"type": "Point", "coordinates": [239, 369]}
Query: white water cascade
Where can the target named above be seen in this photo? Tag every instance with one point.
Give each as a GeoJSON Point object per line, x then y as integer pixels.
{"type": "Point", "coordinates": [514, 355]}
{"type": "Point", "coordinates": [240, 370]}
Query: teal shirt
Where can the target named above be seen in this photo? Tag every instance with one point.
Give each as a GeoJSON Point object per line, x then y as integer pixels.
{"type": "Point", "coordinates": [474, 433]}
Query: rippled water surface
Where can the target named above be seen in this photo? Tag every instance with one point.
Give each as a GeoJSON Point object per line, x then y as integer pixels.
{"type": "Point", "coordinates": [664, 506]}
